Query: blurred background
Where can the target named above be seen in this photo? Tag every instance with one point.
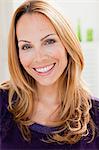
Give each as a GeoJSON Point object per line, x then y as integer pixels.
{"type": "Point", "coordinates": [83, 16]}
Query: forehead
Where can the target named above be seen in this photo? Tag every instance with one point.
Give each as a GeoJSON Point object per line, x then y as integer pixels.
{"type": "Point", "coordinates": [35, 22]}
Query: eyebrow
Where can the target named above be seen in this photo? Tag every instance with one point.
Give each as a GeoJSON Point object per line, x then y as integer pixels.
{"type": "Point", "coordinates": [40, 39]}
{"type": "Point", "coordinates": [47, 36]}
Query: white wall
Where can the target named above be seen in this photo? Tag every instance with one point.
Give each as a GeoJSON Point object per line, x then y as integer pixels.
{"type": "Point", "coordinates": [5, 15]}
{"type": "Point", "coordinates": [86, 10]}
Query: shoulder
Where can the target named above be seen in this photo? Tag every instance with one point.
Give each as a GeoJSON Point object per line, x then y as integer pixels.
{"type": "Point", "coordinates": [3, 101]}
{"type": "Point", "coordinates": [95, 110]}
{"type": "Point", "coordinates": [3, 97]}
{"type": "Point", "coordinates": [5, 115]}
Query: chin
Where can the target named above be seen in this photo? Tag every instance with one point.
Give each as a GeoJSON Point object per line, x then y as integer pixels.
{"type": "Point", "coordinates": [46, 83]}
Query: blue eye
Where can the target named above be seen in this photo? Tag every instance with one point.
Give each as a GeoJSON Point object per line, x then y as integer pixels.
{"type": "Point", "coordinates": [49, 41]}
{"type": "Point", "coordinates": [26, 46]}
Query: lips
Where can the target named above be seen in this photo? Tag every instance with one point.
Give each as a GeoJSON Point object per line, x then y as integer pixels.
{"type": "Point", "coordinates": [44, 69]}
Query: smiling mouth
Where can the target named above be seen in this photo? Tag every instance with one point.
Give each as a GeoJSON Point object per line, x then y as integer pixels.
{"type": "Point", "coordinates": [46, 69]}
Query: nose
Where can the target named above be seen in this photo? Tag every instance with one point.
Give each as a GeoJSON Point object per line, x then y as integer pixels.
{"type": "Point", "coordinates": [39, 55]}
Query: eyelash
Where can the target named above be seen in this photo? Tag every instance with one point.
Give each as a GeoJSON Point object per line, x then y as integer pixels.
{"type": "Point", "coordinates": [25, 46]}
{"type": "Point", "coordinates": [52, 41]}
{"type": "Point", "coordinates": [47, 42]}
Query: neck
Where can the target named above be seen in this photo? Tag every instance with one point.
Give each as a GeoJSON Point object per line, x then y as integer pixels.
{"type": "Point", "coordinates": [48, 95]}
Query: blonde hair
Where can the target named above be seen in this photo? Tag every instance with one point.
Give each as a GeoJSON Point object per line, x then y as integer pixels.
{"type": "Point", "coordinates": [74, 115]}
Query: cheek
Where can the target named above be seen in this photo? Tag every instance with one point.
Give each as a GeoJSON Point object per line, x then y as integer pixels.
{"type": "Point", "coordinates": [55, 52]}
{"type": "Point", "coordinates": [25, 59]}
{"type": "Point", "coordinates": [59, 53]}
{"type": "Point", "coordinates": [61, 56]}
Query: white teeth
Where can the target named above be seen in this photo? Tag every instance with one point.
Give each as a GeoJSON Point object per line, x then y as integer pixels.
{"type": "Point", "coordinates": [45, 69]}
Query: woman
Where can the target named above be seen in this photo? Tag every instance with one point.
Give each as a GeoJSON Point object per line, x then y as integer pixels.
{"type": "Point", "coordinates": [45, 104]}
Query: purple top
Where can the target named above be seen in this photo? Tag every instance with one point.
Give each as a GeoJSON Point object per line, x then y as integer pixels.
{"type": "Point", "coordinates": [11, 138]}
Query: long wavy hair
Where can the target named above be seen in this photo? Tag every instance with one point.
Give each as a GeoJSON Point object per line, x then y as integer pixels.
{"type": "Point", "coordinates": [74, 116]}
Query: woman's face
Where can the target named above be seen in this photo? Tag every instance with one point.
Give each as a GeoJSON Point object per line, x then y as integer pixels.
{"type": "Point", "coordinates": [41, 52]}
